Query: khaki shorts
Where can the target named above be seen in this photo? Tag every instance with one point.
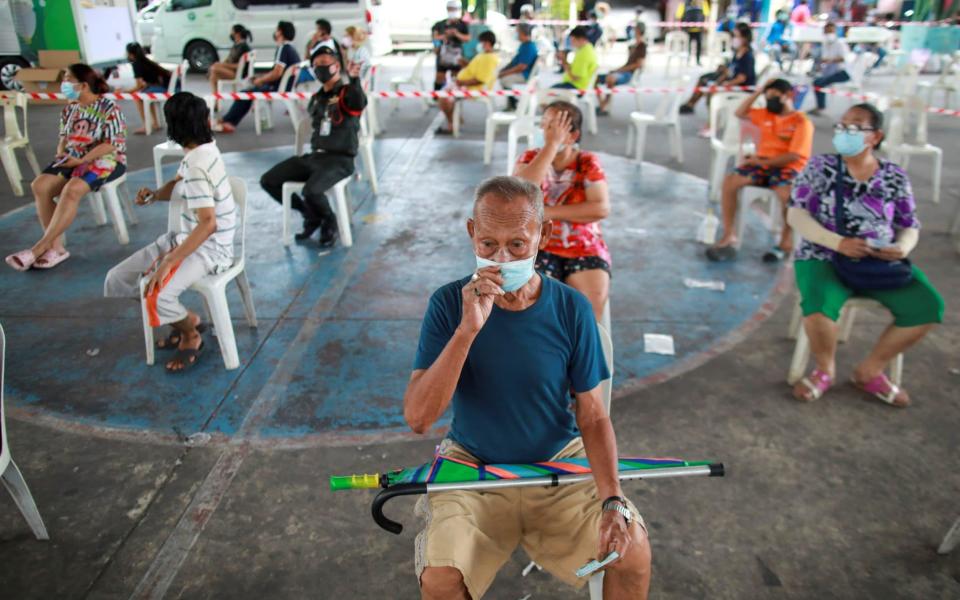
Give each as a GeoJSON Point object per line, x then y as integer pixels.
{"type": "Point", "coordinates": [477, 531]}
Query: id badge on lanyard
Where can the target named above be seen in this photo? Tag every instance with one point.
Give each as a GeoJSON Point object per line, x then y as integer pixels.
{"type": "Point", "coordinates": [324, 127]}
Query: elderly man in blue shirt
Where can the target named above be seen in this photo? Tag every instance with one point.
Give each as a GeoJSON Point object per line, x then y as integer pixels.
{"type": "Point", "coordinates": [506, 348]}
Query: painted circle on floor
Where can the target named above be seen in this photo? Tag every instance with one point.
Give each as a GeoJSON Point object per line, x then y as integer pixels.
{"type": "Point", "coordinates": [336, 332]}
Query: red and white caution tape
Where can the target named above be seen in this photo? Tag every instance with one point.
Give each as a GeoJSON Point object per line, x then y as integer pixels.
{"type": "Point", "coordinates": [755, 24]}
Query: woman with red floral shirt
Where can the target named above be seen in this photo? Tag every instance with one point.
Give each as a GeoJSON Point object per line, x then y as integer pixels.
{"type": "Point", "coordinates": [576, 199]}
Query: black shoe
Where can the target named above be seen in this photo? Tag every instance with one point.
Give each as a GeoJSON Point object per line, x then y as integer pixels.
{"type": "Point", "coordinates": [686, 109]}
{"type": "Point", "coordinates": [328, 233]}
{"type": "Point", "coordinates": [309, 227]}
{"type": "Point", "coordinates": [296, 203]}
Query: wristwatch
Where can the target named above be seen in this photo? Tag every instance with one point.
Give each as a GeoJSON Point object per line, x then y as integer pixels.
{"type": "Point", "coordinates": [618, 504]}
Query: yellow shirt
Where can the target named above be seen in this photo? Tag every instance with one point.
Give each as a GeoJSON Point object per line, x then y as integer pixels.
{"type": "Point", "coordinates": [583, 66]}
{"type": "Point", "coordinates": [483, 67]}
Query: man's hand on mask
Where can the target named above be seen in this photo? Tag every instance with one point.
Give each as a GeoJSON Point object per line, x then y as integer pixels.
{"type": "Point", "coordinates": [478, 296]}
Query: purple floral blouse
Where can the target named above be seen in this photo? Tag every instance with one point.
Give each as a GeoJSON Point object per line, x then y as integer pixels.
{"type": "Point", "coordinates": [877, 208]}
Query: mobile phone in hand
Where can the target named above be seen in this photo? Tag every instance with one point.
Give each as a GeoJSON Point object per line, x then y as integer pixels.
{"type": "Point", "coordinates": [595, 565]}
{"type": "Point", "coordinates": [61, 160]}
{"type": "Point", "coordinates": [878, 244]}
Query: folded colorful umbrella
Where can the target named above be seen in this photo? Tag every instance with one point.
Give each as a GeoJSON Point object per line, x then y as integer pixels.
{"type": "Point", "coordinates": [445, 474]}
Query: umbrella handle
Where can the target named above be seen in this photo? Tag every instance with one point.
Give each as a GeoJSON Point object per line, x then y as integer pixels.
{"type": "Point", "coordinates": [405, 489]}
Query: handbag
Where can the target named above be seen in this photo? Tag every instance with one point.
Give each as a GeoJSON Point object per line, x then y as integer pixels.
{"type": "Point", "coordinates": [867, 273]}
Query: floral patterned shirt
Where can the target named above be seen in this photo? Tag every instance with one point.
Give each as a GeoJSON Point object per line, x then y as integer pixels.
{"type": "Point", "coordinates": [85, 127]}
{"type": "Point", "coordinates": [569, 186]}
{"type": "Point", "coordinates": [876, 208]}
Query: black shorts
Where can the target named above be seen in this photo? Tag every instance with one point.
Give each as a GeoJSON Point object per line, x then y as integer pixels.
{"type": "Point", "coordinates": [94, 180]}
{"type": "Point", "coordinates": [559, 267]}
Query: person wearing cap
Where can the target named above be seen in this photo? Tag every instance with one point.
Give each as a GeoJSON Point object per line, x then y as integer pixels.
{"type": "Point", "coordinates": [449, 36]}
{"type": "Point", "coordinates": [518, 70]}
{"type": "Point", "coordinates": [286, 58]}
{"type": "Point", "coordinates": [478, 75]}
{"type": "Point", "coordinates": [335, 115]}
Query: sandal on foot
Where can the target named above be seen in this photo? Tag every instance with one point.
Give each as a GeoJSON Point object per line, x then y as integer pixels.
{"type": "Point", "coordinates": [881, 388]}
{"type": "Point", "coordinates": [50, 259]}
{"type": "Point", "coordinates": [188, 358]}
{"type": "Point", "coordinates": [721, 253]}
{"type": "Point", "coordinates": [173, 340]}
{"type": "Point", "coordinates": [817, 383]}
{"type": "Point", "coordinates": [22, 261]}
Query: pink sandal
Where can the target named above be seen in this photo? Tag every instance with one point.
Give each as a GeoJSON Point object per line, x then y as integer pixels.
{"type": "Point", "coordinates": [817, 383]}
{"type": "Point", "coordinates": [881, 388]}
{"type": "Point", "coordinates": [22, 261]}
{"type": "Point", "coordinates": [50, 259]}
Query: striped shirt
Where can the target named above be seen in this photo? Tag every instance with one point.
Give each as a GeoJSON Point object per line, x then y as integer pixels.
{"type": "Point", "coordinates": [204, 184]}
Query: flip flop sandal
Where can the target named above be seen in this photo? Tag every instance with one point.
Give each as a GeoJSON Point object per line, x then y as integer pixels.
{"type": "Point", "coordinates": [22, 261]}
{"type": "Point", "coordinates": [188, 358]}
{"type": "Point", "coordinates": [721, 253]}
{"type": "Point", "coordinates": [881, 388]}
{"type": "Point", "coordinates": [774, 255]}
{"type": "Point", "coordinates": [173, 340]}
{"type": "Point", "coordinates": [50, 259]}
{"type": "Point", "coordinates": [817, 382]}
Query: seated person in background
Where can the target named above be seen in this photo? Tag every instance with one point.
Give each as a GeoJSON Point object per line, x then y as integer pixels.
{"type": "Point", "coordinates": [776, 44]}
{"type": "Point", "coordinates": [91, 151]}
{"type": "Point", "coordinates": [150, 78]}
{"type": "Point", "coordinates": [227, 70]}
{"type": "Point", "coordinates": [576, 199]}
{"type": "Point", "coordinates": [784, 145]}
{"type": "Point", "coordinates": [479, 74]}
{"type": "Point", "coordinates": [202, 246]}
{"type": "Point", "coordinates": [355, 48]}
{"type": "Point", "coordinates": [449, 36]}
{"type": "Point", "coordinates": [729, 22]}
{"type": "Point", "coordinates": [880, 222]}
{"type": "Point", "coordinates": [579, 73]}
{"type": "Point", "coordinates": [518, 70]}
{"type": "Point", "coordinates": [286, 58]}
{"type": "Point", "coordinates": [335, 113]}
{"type": "Point", "coordinates": [622, 76]}
{"type": "Point", "coordinates": [504, 348]}
{"type": "Point", "coordinates": [324, 33]}
{"type": "Point", "coordinates": [739, 71]}
{"type": "Point", "coordinates": [831, 65]}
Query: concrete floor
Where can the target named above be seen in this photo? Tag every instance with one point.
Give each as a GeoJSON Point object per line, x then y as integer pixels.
{"type": "Point", "coordinates": [839, 499]}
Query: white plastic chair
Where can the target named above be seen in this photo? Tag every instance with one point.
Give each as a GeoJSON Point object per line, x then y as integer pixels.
{"type": "Point", "coordinates": [9, 472]}
{"type": "Point", "coordinates": [498, 118]}
{"type": "Point", "coordinates": [263, 109]}
{"type": "Point", "coordinates": [857, 72]}
{"type": "Point", "coordinates": [587, 101]}
{"type": "Point", "coordinates": [719, 47]}
{"type": "Point", "coordinates": [414, 80]}
{"type": "Point", "coordinates": [667, 115]}
{"type": "Point", "coordinates": [15, 138]}
{"type": "Point", "coordinates": [175, 79]}
{"type": "Point", "coordinates": [947, 82]}
{"type": "Point", "coordinates": [899, 149]}
{"type": "Point", "coordinates": [726, 141]}
{"type": "Point", "coordinates": [526, 126]}
{"type": "Point", "coordinates": [677, 46]}
{"type": "Point", "coordinates": [369, 84]}
{"type": "Point", "coordinates": [341, 208]}
{"type": "Point", "coordinates": [243, 76]}
{"type": "Point", "coordinates": [160, 151]}
{"type": "Point", "coordinates": [801, 351]}
{"type": "Point", "coordinates": [213, 288]}
{"type": "Point", "coordinates": [110, 203]}
{"type": "Point", "coordinates": [458, 106]}
{"type": "Point", "coordinates": [635, 82]}
{"type": "Point", "coordinates": [745, 201]}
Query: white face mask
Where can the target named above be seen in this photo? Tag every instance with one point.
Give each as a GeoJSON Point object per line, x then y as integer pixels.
{"type": "Point", "coordinates": [736, 42]}
{"type": "Point", "coordinates": [453, 14]}
{"type": "Point", "coordinates": [830, 37]}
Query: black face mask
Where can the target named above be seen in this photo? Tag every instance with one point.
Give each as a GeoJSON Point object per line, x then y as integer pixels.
{"type": "Point", "coordinates": [324, 73]}
{"type": "Point", "coordinates": [775, 105]}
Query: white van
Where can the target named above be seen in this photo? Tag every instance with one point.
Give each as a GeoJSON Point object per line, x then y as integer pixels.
{"type": "Point", "coordinates": [198, 30]}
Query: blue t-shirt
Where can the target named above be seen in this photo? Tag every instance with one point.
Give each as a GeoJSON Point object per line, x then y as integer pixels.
{"type": "Point", "coordinates": [526, 55]}
{"type": "Point", "coordinates": [743, 65]}
{"type": "Point", "coordinates": [776, 32]}
{"type": "Point", "coordinates": [512, 403]}
{"type": "Point", "coordinates": [287, 56]}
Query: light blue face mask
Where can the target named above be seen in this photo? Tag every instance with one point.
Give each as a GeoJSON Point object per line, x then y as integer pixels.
{"type": "Point", "coordinates": [539, 141]}
{"type": "Point", "coordinates": [69, 90]}
{"type": "Point", "coordinates": [515, 273]}
{"type": "Point", "coordinates": [848, 144]}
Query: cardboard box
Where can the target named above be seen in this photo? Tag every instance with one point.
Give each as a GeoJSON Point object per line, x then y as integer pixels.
{"type": "Point", "coordinates": [47, 77]}
{"type": "Point", "coordinates": [57, 59]}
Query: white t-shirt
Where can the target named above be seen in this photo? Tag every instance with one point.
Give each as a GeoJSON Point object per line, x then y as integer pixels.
{"type": "Point", "coordinates": [832, 51]}
{"type": "Point", "coordinates": [204, 184]}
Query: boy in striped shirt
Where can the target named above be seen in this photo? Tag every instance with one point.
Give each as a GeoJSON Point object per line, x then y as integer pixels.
{"type": "Point", "coordinates": [203, 243]}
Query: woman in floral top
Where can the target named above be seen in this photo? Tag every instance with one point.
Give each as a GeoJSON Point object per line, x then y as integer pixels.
{"type": "Point", "coordinates": [91, 152]}
{"type": "Point", "coordinates": [880, 222]}
{"type": "Point", "coordinates": [576, 199]}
